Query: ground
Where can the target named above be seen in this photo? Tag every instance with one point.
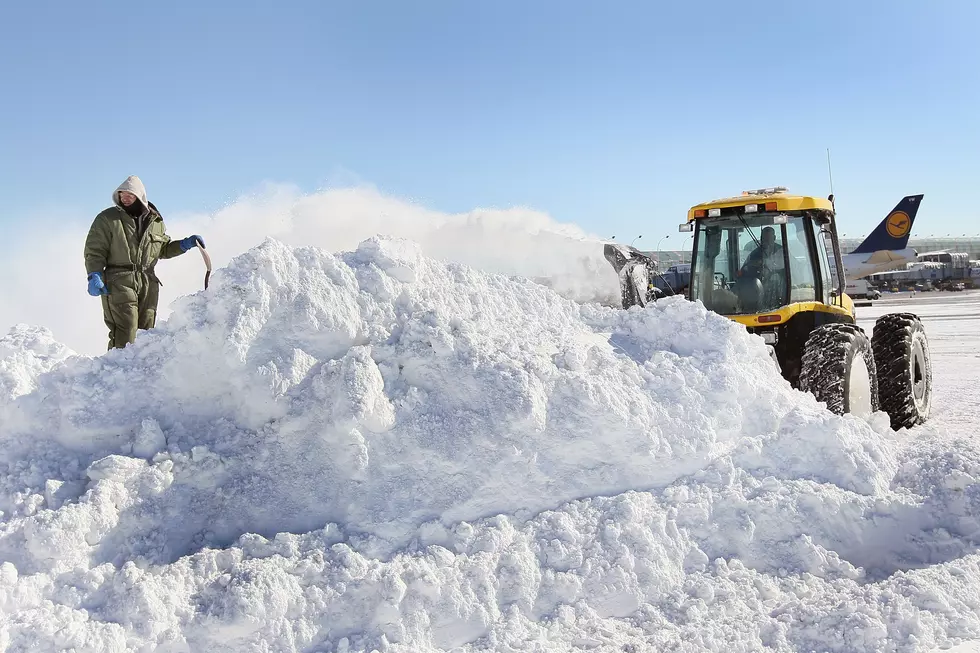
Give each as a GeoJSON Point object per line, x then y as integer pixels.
{"type": "Point", "coordinates": [952, 322]}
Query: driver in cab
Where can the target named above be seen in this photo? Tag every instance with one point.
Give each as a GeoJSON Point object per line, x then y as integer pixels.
{"type": "Point", "coordinates": [763, 267]}
{"type": "Point", "coordinates": [766, 258]}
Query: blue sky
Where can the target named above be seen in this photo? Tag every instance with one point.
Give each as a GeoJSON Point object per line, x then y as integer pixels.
{"type": "Point", "coordinates": [616, 116]}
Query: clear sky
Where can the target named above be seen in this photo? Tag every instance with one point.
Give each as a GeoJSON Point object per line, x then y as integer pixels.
{"type": "Point", "coordinates": [615, 116]}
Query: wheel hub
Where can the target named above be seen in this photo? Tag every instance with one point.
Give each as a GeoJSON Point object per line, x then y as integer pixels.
{"type": "Point", "coordinates": [859, 389]}
{"type": "Point", "coordinates": [917, 373]}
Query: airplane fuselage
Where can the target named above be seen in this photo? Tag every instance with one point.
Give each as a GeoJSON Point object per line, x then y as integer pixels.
{"type": "Point", "coordinates": [859, 266]}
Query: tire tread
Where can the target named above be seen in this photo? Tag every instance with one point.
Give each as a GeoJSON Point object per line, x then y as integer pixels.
{"type": "Point", "coordinates": [824, 363]}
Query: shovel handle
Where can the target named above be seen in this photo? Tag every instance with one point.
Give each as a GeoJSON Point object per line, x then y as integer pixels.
{"type": "Point", "coordinates": [207, 262]}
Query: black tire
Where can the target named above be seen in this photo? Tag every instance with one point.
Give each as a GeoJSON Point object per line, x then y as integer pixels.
{"type": "Point", "coordinates": [904, 365]}
{"type": "Point", "coordinates": [828, 368]}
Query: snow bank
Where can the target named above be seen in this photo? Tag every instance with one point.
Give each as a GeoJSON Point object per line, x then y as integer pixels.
{"type": "Point", "coordinates": [26, 352]}
{"type": "Point", "coordinates": [380, 451]}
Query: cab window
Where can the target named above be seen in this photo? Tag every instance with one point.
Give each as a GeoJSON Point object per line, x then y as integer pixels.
{"type": "Point", "coordinates": [739, 264]}
{"type": "Point", "coordinates": [828, 267]}
{"type": "Point", "coordinates": [802, 283]}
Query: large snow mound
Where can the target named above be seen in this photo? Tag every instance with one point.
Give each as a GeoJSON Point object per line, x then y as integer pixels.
{"type": "Point", "coordinates": [379, 451]}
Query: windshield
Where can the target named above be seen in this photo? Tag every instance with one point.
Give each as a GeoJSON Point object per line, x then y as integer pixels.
{"type": "Point", "coordinates": [740, 265]}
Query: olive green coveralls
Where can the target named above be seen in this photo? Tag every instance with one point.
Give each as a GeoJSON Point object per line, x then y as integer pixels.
{"type": "Point", "coordinates": [126, 250]}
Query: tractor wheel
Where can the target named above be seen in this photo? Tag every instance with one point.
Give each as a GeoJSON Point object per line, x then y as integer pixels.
{"type": "Point", "coordinates": [904, 365]}
{"type": "Point", "coordinates": [838, 368]}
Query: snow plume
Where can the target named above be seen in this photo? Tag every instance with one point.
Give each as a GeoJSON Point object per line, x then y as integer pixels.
{"type": "Point", "coordinates": [508, 241]}
{"type": "Point", "coordinates": [513, 241]}
{"type": "Point", "coordinates": [377, 450]}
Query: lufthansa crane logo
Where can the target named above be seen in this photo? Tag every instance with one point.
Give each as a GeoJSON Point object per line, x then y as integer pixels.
{"type": "Point", "coordinates": [898, 224]}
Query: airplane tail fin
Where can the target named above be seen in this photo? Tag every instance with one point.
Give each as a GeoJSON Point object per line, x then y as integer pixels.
{"type": "Point", "coordinates": [893, 232]}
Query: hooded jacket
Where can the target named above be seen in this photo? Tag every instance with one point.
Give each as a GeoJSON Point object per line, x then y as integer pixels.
{"type": "Point", "coordinates": [126, 248]}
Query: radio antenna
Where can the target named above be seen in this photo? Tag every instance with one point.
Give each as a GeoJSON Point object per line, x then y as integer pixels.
{"type": "Point", "coordinates": [830, 172]}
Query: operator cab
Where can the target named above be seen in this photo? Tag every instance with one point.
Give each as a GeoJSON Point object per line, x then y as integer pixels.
{"type": "Point", "coordinates": [762, 251]}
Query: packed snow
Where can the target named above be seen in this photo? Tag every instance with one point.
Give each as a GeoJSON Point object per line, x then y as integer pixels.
{"type": "Point", "coordinates": [379, 450]}
{"type": "Point", "coordinates": [25, 353]}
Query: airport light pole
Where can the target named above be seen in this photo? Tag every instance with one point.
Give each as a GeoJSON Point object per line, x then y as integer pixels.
{"type": "Point", "coordinates": [658, 249]}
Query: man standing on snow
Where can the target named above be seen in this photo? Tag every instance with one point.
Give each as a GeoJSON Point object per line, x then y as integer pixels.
{"type": "Point", "coordinates": [123, 246]}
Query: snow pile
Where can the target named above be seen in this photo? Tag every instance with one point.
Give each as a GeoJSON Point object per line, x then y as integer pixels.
{"type": "Point", "coordinates": [380, 451]}
{"type": "Point", "coordinates": [26, 352]}
{"type": "Point", "coordinates": [511, 241]}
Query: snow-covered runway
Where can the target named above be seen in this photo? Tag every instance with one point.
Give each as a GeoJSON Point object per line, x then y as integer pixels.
{"type": "Point", "coordinates": [952, 322]}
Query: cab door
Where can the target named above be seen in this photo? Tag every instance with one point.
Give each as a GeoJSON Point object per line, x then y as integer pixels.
{"type": "Point", "coordinates": [827, 266]}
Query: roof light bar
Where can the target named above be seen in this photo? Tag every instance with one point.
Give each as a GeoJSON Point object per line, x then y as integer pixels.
{"type": "Point", "coordinates": [766, 191]}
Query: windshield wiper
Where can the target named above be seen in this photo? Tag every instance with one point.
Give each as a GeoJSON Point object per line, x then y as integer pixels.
{"type": "Point", "coordinates": [748, 228]}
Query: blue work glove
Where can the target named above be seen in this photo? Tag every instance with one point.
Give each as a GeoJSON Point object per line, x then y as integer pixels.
{"type": "Point", "coordinates": [96, 286]}
{"type": "Point", "coordinates": [190, 241]}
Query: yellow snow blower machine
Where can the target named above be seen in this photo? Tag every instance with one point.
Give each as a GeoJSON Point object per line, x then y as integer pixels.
{"type": "Point", "coordinates": [772, 262]}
